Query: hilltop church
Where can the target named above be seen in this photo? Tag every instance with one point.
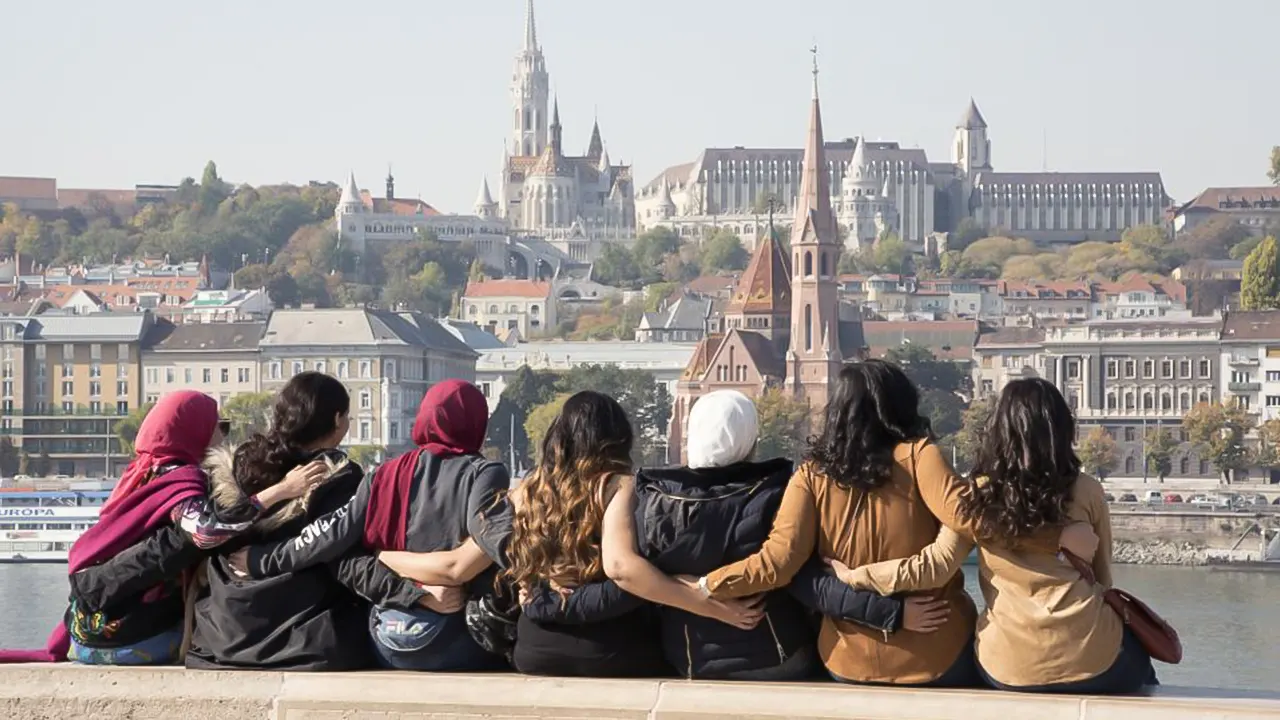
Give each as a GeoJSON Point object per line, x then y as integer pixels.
{"type": "Point", "coordinates": [784, 325]}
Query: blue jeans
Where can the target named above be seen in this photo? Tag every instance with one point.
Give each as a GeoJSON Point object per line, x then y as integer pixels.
{"type": "Point", "coordinates": [426, 640]}
{"type": "Point", "coordinates": [159, 650]}
{"type": "Point", "coordinates": [1131, 672]}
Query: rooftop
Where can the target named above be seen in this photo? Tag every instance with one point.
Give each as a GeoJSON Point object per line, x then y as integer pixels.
{"type": "Point", "coordinates": [507, 288]}
{"type": "Point", "coordinates": [359, 326]}
{"type": "Point", "coordinates": [165, 336]}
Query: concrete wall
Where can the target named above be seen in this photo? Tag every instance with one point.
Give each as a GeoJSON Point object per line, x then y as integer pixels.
{"type": "Point", "coordinates": [65, 692]}
{"type": "Point", "coordinates": [1213, 530]}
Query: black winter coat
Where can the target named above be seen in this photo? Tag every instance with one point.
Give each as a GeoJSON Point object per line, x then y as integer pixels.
{"type": "Point", "coordinates": [692, 522]}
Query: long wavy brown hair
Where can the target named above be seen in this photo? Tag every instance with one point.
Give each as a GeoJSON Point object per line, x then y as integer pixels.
{"type": "Point", "coordinates": [1026, 467]}
{"type": "Point", "coordinates": [559, 514]}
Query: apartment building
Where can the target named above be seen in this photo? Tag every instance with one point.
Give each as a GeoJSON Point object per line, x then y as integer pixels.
{"type": "Point", "coordinates": [218, 359]}
{"type": "Point", "coordinates": [1251, 362]}
{"type": "Point", "coordinates": [386, 359]}
{"type": "Point", "coordinates": [1126, 376]}
{"type": "Point", "coordinates": [67, 381]}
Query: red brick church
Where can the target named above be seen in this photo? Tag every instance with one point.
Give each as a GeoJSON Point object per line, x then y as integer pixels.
{"type": "Point", "coordinates": [783, 323]}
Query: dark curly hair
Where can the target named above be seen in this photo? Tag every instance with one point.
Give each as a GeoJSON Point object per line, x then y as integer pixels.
{"type": "Point", "coordinates": [1026, 465]}
{"type": "Point", "coordinates": [875, 408]}
{"type": "Point", "coordinates": [306, 410]}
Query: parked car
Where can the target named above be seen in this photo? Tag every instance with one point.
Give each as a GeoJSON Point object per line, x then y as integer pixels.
{"type": "Point", "coordinates": [1152, 496]}
{"type": "Point", "coordinates": [1203, 500]}
{"type": "Point", "coordinates": [1109, 497]}
{"type": "Point", "coordinates": [1173, 499]}
{"type": "Point", "coordinates": [1128, 498]}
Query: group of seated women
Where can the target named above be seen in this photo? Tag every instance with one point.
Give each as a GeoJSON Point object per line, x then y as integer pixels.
{"type": "Point", "coordinates": [282, 554]}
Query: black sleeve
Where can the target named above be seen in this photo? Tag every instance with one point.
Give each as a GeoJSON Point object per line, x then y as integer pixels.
{"type": "Point", "coordinates": [323, 541]}
{"type": "Point", "coordinates": [591, 603]}
{"type": "Point", "coordinates": [493, 530]}
{"type": "Point", "coordinates": [823, 592]}
{"type": "Point", "coordinates": [363, 575]}
{"type": "Point", "coordinates": [491, 485]}
{"type": "Point", "coordinates": [136, 570]}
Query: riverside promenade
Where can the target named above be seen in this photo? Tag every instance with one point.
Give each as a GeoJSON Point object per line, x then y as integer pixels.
{"type": "Point", "coordinates": [64, 692]}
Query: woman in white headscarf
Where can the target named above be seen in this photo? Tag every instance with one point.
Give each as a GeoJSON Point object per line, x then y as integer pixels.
{"type": "Point", "coordinates": [693, 519]}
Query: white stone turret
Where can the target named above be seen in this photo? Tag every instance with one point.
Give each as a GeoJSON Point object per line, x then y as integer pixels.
{"type": "Point", "coordinates": [530, 91]}
{"type": "Point", "coordinates": [350, 203]}
{"type": "Point", "coordinates": [485, 205]}
{"type": "Point", "coordinates": [971, 151]}
{"type": "Point", "coordinates": [666, 206]}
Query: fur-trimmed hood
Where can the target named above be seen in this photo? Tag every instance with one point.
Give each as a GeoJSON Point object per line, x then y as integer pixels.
{"type": "Point", "coordinates": [219, 464]}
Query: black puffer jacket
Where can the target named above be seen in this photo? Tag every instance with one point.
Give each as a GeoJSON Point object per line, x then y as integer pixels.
{"type": "Point", "coordinates": [691, 522]}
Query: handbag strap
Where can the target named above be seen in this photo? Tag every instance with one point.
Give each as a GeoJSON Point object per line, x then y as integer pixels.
{"type": "Point", "coordinates": [1082, 567]}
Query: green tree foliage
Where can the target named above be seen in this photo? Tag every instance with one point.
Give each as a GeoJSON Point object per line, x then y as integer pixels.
{"type": "Point", "coordinates": [525, 390]}
{"type": "Point", "coordinates": [973, 425]}
{"type": "Point", "coordinates": [723, 251]}
{"type": "Point", "coordinates": [1260, 282]}
{"type": "Point", "coordinates": [1217, 238]}
{"type": "Point", "coordinates": [967, 232]}
{"type": "Point", "coordinates": [1159, 446]}
{"type": "Point", "coordinates": [941, 384]}
{"type": "Point", "coordinates": [616, 266]}
{"type": "Point", "coordinates": [1033, 267]}
{"type": "Point", "coordinates": [1218, 434]}
{"type": "Point", "coordinates": [784, 425]}
{"type": "Point", "coordinates": [1273, 172]}
{"type": "Point", "coordinates": [367, 456]}
{"type": "Point", "coordinates": [126, 428]}
{"type": "Point", "coordinates": [985, 258]}
{"type": "Point", "coordinates": [248, 413]}
{"type": "Point", "coordinates": [539, 422]}
{"type": "Point", "coordinates": [891, 255]}
{"type": "Point", "coordinates": [1148, 248]}
{"type": "Point", "coordinates": [1098, 453]}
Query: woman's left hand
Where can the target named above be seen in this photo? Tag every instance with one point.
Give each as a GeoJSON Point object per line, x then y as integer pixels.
{"type": "Point", "coordinates": [844, 573]}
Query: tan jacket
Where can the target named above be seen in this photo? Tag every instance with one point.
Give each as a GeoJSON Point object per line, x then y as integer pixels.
{"type": "Point", "coordinates": [893, 521]}
{"type": "Point", "coordinates": [1043, 624]}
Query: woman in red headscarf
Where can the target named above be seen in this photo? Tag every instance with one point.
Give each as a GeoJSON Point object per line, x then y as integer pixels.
{"type": "Point", "coordinates": [127, 608]}
{"type": "Point", "coordinates": [429, 501]}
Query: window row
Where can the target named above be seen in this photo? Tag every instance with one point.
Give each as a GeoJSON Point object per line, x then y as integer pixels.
{"type": "Point", "coordinates": [1204, 368]}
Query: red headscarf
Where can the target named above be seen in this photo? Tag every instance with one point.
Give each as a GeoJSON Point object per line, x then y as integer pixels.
{"type": "Point", "coordinates": [451, 421]}
{"type": "Point", "coordinates": [177, 430]}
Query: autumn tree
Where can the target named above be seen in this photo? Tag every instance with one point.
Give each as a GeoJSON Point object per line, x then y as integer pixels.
{"type": "Point", "coordinates": [1273, 172]}
{"type": "Point", "coordinates": [1260, 281]}
{"type": "Point", "coordinates": [1098, 453]}
{"type": "Point", "coordinates": [367, 456]}
{"type": "Point", "coordinates": [1158, 447]}
{"type": "Point", "coordinates": [784, 425]}
{"type": "Point", "coordinates": [1218, 434]}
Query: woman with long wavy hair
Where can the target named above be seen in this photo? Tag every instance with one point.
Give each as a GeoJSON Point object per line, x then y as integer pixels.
{"type": "Point", "coordinates": [555, 543]}
{"type": "Point", "coordinates": [1027, 478]}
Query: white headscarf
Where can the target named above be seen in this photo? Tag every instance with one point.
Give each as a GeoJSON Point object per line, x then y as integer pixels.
{"type": "Point", "coordinates": [723, 427]}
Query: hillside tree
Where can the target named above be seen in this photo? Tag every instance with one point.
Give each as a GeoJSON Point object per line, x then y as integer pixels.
{"type": "Point", "coordinates": [1260, 281]}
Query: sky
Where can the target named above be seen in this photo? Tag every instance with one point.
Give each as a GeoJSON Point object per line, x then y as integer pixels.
{"type": "Point", "coordinates": [108, 95]}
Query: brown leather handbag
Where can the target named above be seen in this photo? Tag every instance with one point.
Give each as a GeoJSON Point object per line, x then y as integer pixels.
{"type": "Point", "coordinates": [1157, 636]}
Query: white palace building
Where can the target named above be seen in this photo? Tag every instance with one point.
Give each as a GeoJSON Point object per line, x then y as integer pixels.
{"type": "Point", "coordinates": [879, 186]}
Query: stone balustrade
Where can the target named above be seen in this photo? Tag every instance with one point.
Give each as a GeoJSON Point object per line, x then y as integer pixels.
{"type": "Point", "coordinates": [63, 692]}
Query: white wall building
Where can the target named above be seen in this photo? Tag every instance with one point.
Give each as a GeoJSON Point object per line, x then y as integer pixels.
{"type": "Point", "coordinates": [666, 361]}
{"type": "Point", "coordinates": [523, 305]}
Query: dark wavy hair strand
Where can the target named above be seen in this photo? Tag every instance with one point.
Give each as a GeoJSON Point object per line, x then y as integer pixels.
{"type": "Point", "coordinates": [1026, 466]}
{"type": "Point", "coordinates": [874, 409]}
{"type": "Point", "coordinates": [305, 411]}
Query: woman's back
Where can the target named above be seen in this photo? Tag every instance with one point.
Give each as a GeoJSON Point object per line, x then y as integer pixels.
{"type": "Point", "coordinates": [858, 527]}
{"type": "Point", "coordinates": [304, 620]}
{"type": "Point", "coordinates": [1044, 623]}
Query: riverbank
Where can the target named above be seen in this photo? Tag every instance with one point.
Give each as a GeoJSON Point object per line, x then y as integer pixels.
{"type": "Point", "coordinates": [1156, 552]}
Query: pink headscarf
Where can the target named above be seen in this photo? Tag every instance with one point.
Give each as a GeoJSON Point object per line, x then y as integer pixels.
{"type": "Point", "coordinates": [177, 430]}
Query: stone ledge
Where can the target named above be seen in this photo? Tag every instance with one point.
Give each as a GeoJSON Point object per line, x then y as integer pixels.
{"type": "Point", "coordinates": [62, 692]}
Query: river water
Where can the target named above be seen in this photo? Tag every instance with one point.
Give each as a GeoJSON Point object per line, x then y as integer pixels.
{"type": "Point", "coordinates": [1228, 620]}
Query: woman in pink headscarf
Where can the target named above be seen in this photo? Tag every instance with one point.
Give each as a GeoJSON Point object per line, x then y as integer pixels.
{"type": "Point", "coordinates": [128, 607]}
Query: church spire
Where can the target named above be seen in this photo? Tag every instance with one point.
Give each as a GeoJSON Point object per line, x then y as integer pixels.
{"type": "Point", "coordinates": [556, 135]}
{"type": "Point", "coordinates": [814, 200]}
{"type": "Point", "coordinates": [596, 146]}
{"type": "Point", "coordinates": [530, 28]}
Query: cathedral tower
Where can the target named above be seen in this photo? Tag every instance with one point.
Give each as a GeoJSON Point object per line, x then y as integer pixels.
{"type": "Point", "coordinates": [814, 359]}
{"type": "Point", "coordinates": [530, 91]}
{"type": "Point", "coordinates": [971, 151]}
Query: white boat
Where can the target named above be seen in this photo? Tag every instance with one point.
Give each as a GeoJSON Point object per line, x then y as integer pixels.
{"type": "Point", "coordinates": [41, 526]}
